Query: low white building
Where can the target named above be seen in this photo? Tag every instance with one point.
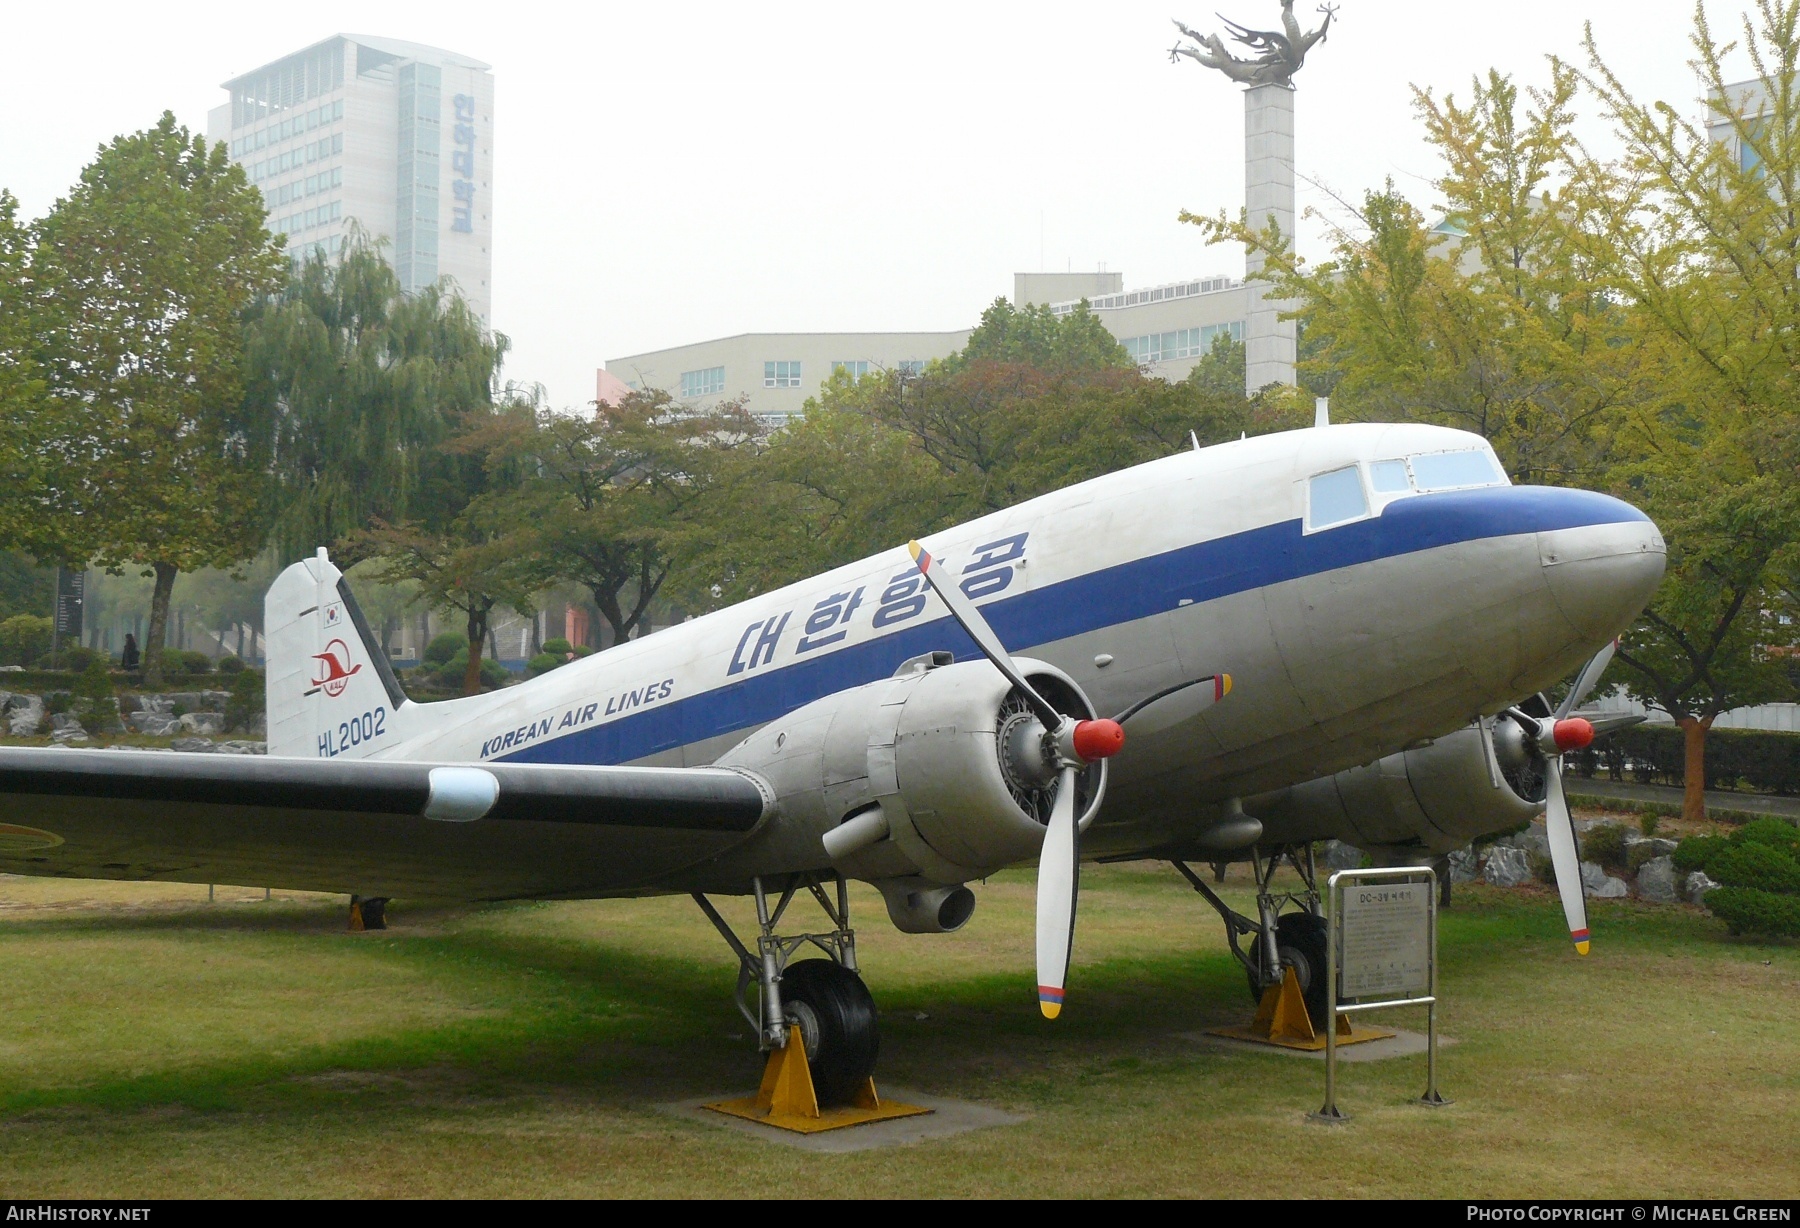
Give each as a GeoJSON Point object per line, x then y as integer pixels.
{"type": "Point", "coordinates": [1166, 328]}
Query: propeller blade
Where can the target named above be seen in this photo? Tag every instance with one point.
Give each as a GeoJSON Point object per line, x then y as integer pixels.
{"type": "Point", "coordinates": [1604, 725]}
{"type": "Point", "coordinates": [1487, 750]}
{"type": "Point", "coordinates": [964, 612]}
{"type": "Point", "coordinates": [1559, 825]}
{"type": "Point", "coordinates": [1586, 679]}
{"type": "Point", "coordinates": [1175, 704]}
{"type": "Point", "coordinates": [1059, 870]}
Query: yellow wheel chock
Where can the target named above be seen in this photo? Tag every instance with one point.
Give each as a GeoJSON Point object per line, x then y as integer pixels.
{"type": "Point", "coordinates": [1282, 1019]}
{"type": "Point", "coordinates": [788, 1100]}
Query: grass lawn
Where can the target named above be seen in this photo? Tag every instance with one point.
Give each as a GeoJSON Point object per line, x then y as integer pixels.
{"type": "Point", "coordinates": [154, 1044]}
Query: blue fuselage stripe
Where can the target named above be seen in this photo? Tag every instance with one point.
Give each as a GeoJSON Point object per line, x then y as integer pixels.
{"type": "Point", "coordinates": [1110, 596]}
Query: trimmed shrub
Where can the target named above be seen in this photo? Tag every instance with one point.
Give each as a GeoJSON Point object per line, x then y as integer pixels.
{"type": "Point", "coordinates": [232, 665]}
{"type": "Point", "coordinates": [24, 638]}
{"type": "Point", "coordinates": [1649, 823]}
{"type": "Point", "coordinates": [445, 646]}
{"type": "Point", "coordinates": [1763, 866]}
{"type": "Point", "coordinates": [1694, 852]}
{"type": "Point", "coordinates": [1746, 910]}
{"type": "Point", "coordinates": [189, 661]}
{"type": "Point", "coordinates": [1638, 854]}
{"type": "Point", "coordinates": [582, 650]}
{"type": "Point", "coordinates": [91, 698]}
{"type": "Point", "coordinates": [450, 674]}
{"type": "Point", "coordinates": [1765, 760]}
{"type": "Point", "coordinates": [1773, 831]}
{"type": "Point", "coordinates": [1542, 868]}
{"type": "Point", "coordinates": [558, 647]}
{"type": "Point", "coordinates": [543, 663]}
{"type": "Point", "coordinates": [246, 702]}
{"type": "Point", "coordinates": [69, 660]}
{"type": "Point", "coordinates": [1604, 843]}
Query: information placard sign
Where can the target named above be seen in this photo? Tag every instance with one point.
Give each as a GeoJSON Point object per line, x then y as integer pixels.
{"type": "Point", "coordinates": [1386, 940]}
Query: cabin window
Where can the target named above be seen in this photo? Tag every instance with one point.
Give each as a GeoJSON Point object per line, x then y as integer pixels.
{"type": "Point", "coordinates": [1457, 470]}
{"type": "Point", "coordinates": [1388, 477]}
{"type": "Point", "coordinates": [1335, 497]}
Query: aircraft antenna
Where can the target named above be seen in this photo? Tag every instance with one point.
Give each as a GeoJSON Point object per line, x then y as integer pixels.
{"type": "Point", "coordinates": [1322, 411]}
{"type": "Point", "coordinates": [1195, 440]}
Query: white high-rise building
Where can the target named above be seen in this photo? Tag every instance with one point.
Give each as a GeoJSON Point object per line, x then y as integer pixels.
{"type": "Point", "coordinates": [395, 137]}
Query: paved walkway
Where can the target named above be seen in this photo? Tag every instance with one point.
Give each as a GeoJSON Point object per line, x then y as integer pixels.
{"type": "Point", "coordinates": [1631, 791]}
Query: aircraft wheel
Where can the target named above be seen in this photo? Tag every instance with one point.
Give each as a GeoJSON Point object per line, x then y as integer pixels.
{"type": "Point", "coordinates": [1300, 940]}
{"type": "Point", "coordinates": [834, 1013]}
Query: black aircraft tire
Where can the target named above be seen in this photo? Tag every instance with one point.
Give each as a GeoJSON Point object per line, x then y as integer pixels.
{"type": "Point", "coordinates": [842, 1042]}
{"type": "Point", "coordinates": [1300, 938]}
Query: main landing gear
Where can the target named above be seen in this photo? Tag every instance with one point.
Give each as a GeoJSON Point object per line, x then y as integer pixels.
{"type": "Point", "coordinates": [1280, 943]}
{"type": "Point", "coordinates": [813, 1017]}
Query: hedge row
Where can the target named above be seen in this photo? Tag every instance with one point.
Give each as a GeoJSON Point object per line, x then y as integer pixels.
{"type": "Point", "coordinates": [1763, 760]}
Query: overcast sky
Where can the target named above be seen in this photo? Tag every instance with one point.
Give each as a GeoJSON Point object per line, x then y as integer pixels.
{"type": "Point", "coordinates": [665, 173]}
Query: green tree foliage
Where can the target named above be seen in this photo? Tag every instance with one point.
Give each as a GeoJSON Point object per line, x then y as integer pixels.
{"type": "Point", "coordinates": [1492, 321]}
{"type": "Point", "coordinates": [889, 457]}
{"type": "Point", "coordinates": [468, 552]}
{"type": "Point", "coordinates": [24, 638]}
{"type": "Point", "coordinates": [93, 702]}
{"type": "Point", "coordinates": [614, 500]}
{"type": "Point", "coordinates": [1703, 246]}
{"type": "Point", "coordinates": [358, 383]}
{"type": "Point", "coordinates": [23, 461]}
{"type": "Point", "coordinates": [1034, 336]}
{"type": "Point", "coordinates": [139, 281]}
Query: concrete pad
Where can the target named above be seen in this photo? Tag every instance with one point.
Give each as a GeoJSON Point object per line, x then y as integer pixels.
{"type": "Point", "coordinates": [947, 1118]}
{"type": "Point", "coordinates": [1401, 1044]}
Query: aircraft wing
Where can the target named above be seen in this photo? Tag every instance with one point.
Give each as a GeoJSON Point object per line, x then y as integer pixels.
{"type": "Point", "coordinates": [371, 827]}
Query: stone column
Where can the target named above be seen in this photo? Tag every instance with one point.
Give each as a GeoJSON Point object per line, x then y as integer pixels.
{"type": "Point", "coordinates": [1269, 342]}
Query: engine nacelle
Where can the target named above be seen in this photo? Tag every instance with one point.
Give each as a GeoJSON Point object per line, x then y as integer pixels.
{"type": "Point", "coordinates": [1440, 794]}
{"type": "Point", "coordinates": [911, 777]}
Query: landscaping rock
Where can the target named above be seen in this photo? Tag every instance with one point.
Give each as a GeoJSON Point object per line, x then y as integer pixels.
{"type": "Point", "coordinates": [198, 746]}
{"type": "Point", "coordinates": [1506, 867]}
{"type": "Point", "coordinates": [203, 724]}
{"type": "Point", "coordinates": [1465, 865]}
{"type": "Point", "coordinates": [187, 701]}
{"type": "Point", "coordinates": [155, 703]}
{"type": "Point", "coordinates": [1656, 881]}
{"type": "Point", "coordinates": [25, 719]}
{"type": "Point", "coordinates": [1592, 877]}
{"type": "Point", "coordinates": [156, 724]}
{"type": "Point", "coordinates": [1697, 887]}
{"type": "Point", "coordinates": [65, 722]}
{"type": "Point", "coordinates": [1661, 847]}
{"type": "Point", "coordinates": [1341, 856]}
{"type": "Point", "coordinates": [1610, 889]}
{"type": "Point", "coordinates": [243, 748]}
{"type": "Point", "coordinates": [214, 701]}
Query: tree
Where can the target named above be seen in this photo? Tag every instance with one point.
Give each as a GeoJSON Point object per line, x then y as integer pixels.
{"type": "Point", "coordinates": [140, 279]}
{"type": "Point", "coordinates": [1495, 320]}
{"type": "Point", "coordinates": [358, 382]}
{"type": "Point", "coordinates": [614, 496]}
{"type": "Point", "coordinates": [1702, 239]}
{"type": "Point", "coordinates": [469, 551]}
{"type": "Point", "coordinates": [1037, 337]}
{"type": "Point", "coordinates": [23, 461]}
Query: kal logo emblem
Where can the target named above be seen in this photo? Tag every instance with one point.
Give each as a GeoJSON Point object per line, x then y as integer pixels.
{"type": "Point", "coordinates": [335, 668]}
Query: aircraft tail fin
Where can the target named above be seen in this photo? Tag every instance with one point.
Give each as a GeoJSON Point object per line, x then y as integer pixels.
{"type": "Point", "coordinates": [331, 690]}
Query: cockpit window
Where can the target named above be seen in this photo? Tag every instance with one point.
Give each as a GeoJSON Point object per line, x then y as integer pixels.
{"type": "Point", "coordinates": [1456, 470]}
{"type": "Point", "coordinates": [1335, 497]}
{"type": "Point", "coordinates": [1389, 477]}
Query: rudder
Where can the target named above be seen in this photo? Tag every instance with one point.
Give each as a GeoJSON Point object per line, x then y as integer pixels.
{"type": "Point", "coordinates": [331, 690]}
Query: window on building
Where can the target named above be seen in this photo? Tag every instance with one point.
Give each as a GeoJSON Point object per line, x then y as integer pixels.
{"type": "Point", "coordinates": [911, 368]}
{"type": "Point", "coordinates": [1181, 343]}
{"type": "Point", "coordinates": [856, 368]}
{"type": "Point", "coordinates": [781, 374]}
{"type": "Point", "coordinates": [706, 382]}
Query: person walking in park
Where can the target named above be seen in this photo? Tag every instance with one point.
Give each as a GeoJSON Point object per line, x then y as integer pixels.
{"type": "Point", "coordinates": [128, 657]}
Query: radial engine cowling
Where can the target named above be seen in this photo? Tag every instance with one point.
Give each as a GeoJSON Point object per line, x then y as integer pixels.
{"type": "Point", "coordinates": [930, 778]}
{"type": "Point", "coordinates": [1440, 795]}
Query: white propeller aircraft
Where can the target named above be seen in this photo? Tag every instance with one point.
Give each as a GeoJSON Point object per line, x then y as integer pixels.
{"type": "Point", "coordinates": [1340, 632]}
